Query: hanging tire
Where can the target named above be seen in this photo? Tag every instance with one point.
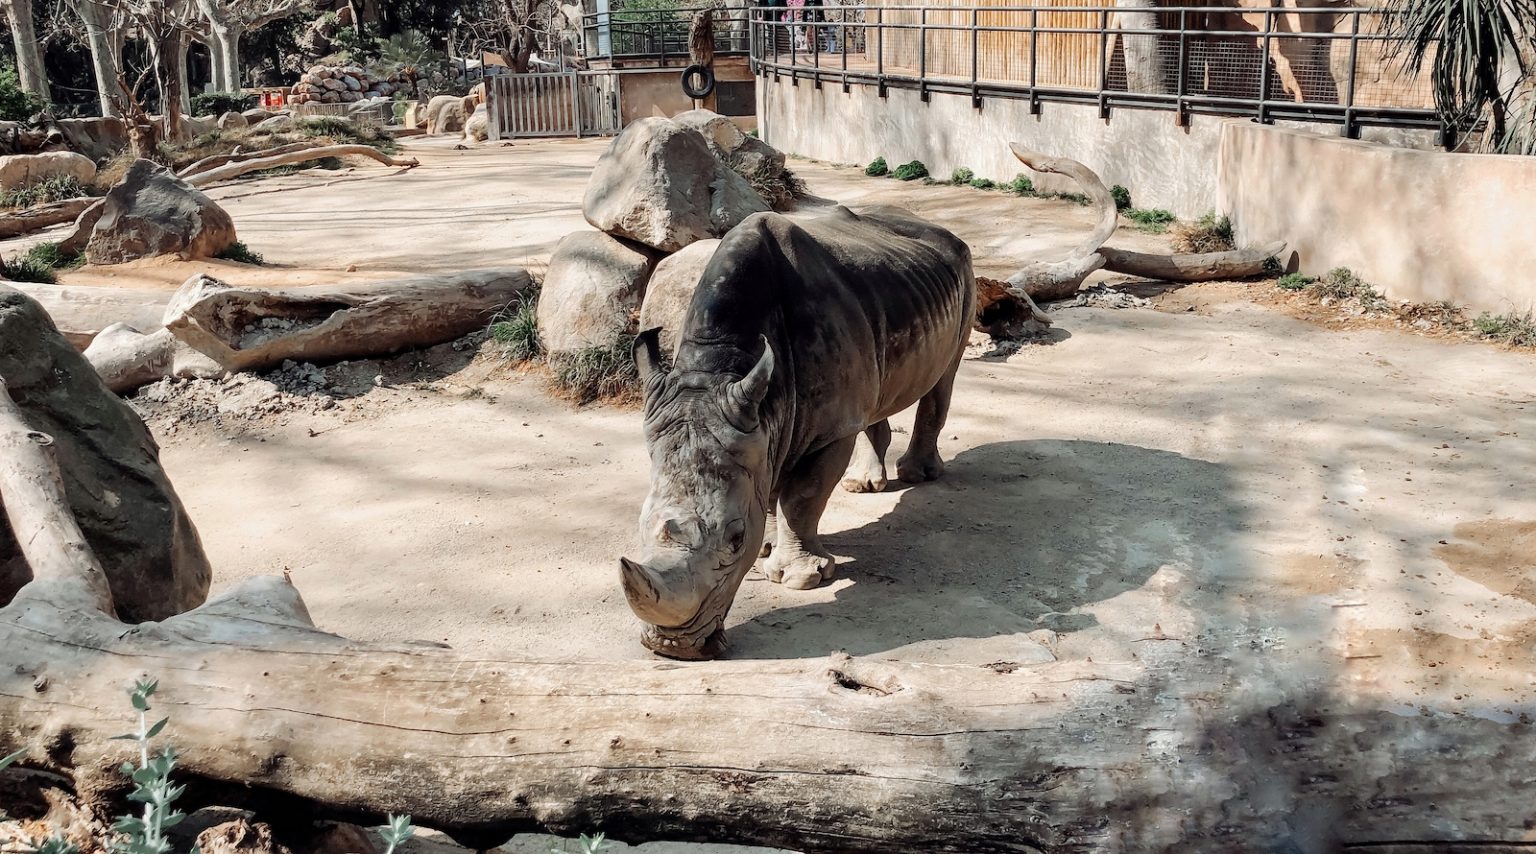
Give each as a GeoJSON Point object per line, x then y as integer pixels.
{"type": "Point", "coordinates": [698, 82]}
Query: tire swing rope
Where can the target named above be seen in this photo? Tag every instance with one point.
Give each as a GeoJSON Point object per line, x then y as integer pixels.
{"type": "Point", "coordinates": [705, 85]}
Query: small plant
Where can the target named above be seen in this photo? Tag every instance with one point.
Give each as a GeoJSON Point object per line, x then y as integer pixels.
{"type": "Point", "coordinates": [397, 832]}
{"type": "Point", "coordinates": [1021, 185]}
{"type": "Point", "coordinates": [984, 183]}
{"type": "Point", "coordinates": [597, 373]}
{"type": "Point", "coordinates": [54, 188]}
{"type": "Point", "coordinates": [1152, 221]}
{"type": "Point", "coordinates": [1294, 282]}
{"type": "Point", "coordinates": [1210, 233]}
{"type": "Point", "coordinates": [1516, 330]}
{"type": "Point", "coordinates": [778, 188]}
{"type": "Point", "coordinates": [219, 103]}
{"type": "Point", "coordinates": [16, 103]}
{"type": "Point", "coordinates": [1341, 283]}
{"type": "Point", "coordinates": [962, 175]}
{"type": "Point", "coordinates": [24, 268]}
{"type": "Point", "coordinates": [48, 254]}
{"type": "Point", "coordinates": [1122, 197]}
{"type": "Point", "coordinates": [515, 329]}
{"type": "Point", "coordinates": [152, 784]}
{"type": "Point", "coordinates": [910, 171]}
{"type": "Point", "coordinates": [877, 168]}
{"type": "Point", "coordinates": [595, 844]}
{"type": "Point", "coordinates": [240, 253]}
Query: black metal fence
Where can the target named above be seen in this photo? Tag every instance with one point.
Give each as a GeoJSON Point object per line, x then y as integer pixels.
{"type": "Point", "coordinates": [658, 35]}
{"type": "Point", "coordinates": [1314, 64]}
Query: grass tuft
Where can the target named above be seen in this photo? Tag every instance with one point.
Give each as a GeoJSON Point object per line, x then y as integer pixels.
{"type": "Point", "coordinates": [54, 188]}
{"type": "Point", "coordinates": [242, 254]}
{"type": "Point", "coordinates": [1208, 234]}
{"type": "Point", "coordinates": [1294, 282]}
{"type": "Point", "coordinates": [984, 183]}
{"type": "Point", "coordinates": [1516, 330]}
{"type": "Point", "coordinates": [1149, 220]}
{"type": "Point", "coordinates": [779, 189]}
{"type": "Point", "coordinates": [962, 175]}
{"type": "Point", "coordinates": [877, 168]}
{"type": "Point", "coordinates": [25, 268]}
{"type": "Point", "coordinates": [515, 329]}
{"type": "Point", "coordinates": [49, 255]}
{"type": "Point", "coordinates": [910, 171]}
{"type": "Point", "coordinates": [597, 373]}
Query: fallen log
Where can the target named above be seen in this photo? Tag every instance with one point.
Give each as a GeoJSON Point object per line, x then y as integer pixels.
{"type": "Point", "coordinates": [1202, 267]}
{"type": "Point", "coordinates": [215, 160]}
{"type": "Point", "coordinates": [234, 170]}
{"type": "Point", "coordinates": [32, 219]}
{"type": "Point", "coordinates": [1044, 281]}
{"type": "Point", "coordinates": [1165, 751]}
{"type": "Point", "coordinates": [247, 329]}
{"type": "Point", "coordinates": [126, 358]}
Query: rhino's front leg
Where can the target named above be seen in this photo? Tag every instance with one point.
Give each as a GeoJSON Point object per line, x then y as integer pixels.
{"type": "Point", "coordinates": [798, 560]}
{"type": "Point", "coordinates": [867, 471]}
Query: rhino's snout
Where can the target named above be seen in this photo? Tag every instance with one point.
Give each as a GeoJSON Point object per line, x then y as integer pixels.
{"type": "Point", "coordinates": [667, 599]}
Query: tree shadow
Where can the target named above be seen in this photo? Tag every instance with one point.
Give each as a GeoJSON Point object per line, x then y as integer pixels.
{"type": "Point", "coordinates": [1016, 537]}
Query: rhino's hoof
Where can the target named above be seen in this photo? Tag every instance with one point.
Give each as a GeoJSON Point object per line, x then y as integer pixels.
{"type": "Point", "coordinates": [864, 484]}
{"type": "Point", "coordinates": [920, 469]}
{"type": "Point", "coordinates": [805, 572]}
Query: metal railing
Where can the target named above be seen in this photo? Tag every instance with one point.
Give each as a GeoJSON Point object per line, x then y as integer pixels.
{"type": "Point", "coordinates": [1311, 64]}
{"type": "Point", "coordinates": [659, 36]}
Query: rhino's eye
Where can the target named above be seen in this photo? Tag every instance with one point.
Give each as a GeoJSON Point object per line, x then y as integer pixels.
{"type": "Point", "coordinates": [735, 537]}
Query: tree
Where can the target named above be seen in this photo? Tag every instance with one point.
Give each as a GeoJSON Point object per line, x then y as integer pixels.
{"type": "Point", "coordinates": [228, 20]}
{"type": "Point", "coordinates": [105, 28]}
{"type": "Point", "coordinates": [166, 26]}
{"type": "Point", "coordinates": [1481, 63]}
{"type": "Point", "coordinates": [29, 51]}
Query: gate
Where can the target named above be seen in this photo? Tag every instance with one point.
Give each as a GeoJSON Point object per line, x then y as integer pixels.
{"type": "Point", "coordinates": [562, 103]}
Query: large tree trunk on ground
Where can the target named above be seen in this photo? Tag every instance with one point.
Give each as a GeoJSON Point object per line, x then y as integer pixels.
{"type": "Point", "coordinates": [29, 52]}
{"type": "Point", "coordinates": [236, 169]}
{"type": "Point", "coordinates": [1054, 280]}
{"type": "Point", "coordinates": [215, 160]}
{"type": "Point", "coordinates": [1154, 753]}
{"type": "Point", "coordinates": [251, 329]}
{"type": "Point", "coordinates": [1201, 267]}
{"type": "Point", "coordinates": [28, 220]}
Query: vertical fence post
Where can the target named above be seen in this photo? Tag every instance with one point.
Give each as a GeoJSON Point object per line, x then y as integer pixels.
{"type": "Point", "coordinates": [576, 103]}
{"type": "Point", "coordinates": [975, 59]}
{"type": "Point", "coordinates": [492, 113]}
{"type": "Point", "coordinates": [880, 49]}
{"type": "Point", "coordinates": [842, 42]}
{"type": "Point", "coordinates": [1350, 130]}
{"type": "Point", "coordinates": [1181, 116]}
{"type": "Point", "coordinates": [1264, 61]}
{"type": "Point", "coordinates": [1034, 43]}
{"type": "Point", "coordinates": [1103, 63]}
{"type": "Point", "coordinates": [922, 54]}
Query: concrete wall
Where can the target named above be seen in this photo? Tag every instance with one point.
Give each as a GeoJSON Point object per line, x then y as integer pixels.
{"type": "Point", "coordinates": [1421, 225]}
{"type": "Point", "coordinates": [659, 92]}
{"type": "Point", "coordinates": [1163, 165]}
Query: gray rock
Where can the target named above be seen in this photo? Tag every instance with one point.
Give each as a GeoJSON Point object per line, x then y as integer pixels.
{"type": "Point", "coordinates": [352, 83]}
{"type": "Point", "coordinates": [660, 184]}
{"type": "Point", "coordinates": [445, 114]}
{"type": "Point", "coordinates": [131, 515]}
{"type": "Point", "coordinates": [255, 115]}
{"type": "Point", "coordinates": [19, 171]}
{"type": "Point", "coordinates": [97, 138]}
{"type": "Point", "coordinates": [671, 288]}
{"type": "Point", "coordinates": [728, 142]}
{"type": "Point", "coordinates": [478, 127]}
{"type": "Point", "coordinates": [233, 121]}
{"type": "Point", "coordinates": [280, 123]}
{"type": "Point", "coordinates": [151, 212]}
{"type": "Point", "coordinates": [592, 290]}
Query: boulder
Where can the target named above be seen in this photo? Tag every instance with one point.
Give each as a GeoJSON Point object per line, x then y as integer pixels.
{"type": "Point", "coordinates": [660, 184]}
{"type": "Point", "coordinates": [240, 837]}
{"type": "Point", "coordinates": [352, 83]}
{"type": "Point", "coordinates": [19, 171]}
{"type": "Point", "coordinates": [233, 121]}
{"type": "Point", "coordinates": [744, 152]}
{"type": "Point", "coordinates": [96, 138]}
{"type": "Point", "coordinates": [333, 84]}
{"type": "Point", "coordinates": [592, 290]}
{"type": "Point", "coordinates": [280, 123]}
{"type": "Point", "coordinates": [110, 465]}
{"type": "Point", "coordinates": [415, 114]}
{"type": "Point", "coordinates": [151, 212]}
{"type": "Point", "coordinates": [445, 114]}
{"type": "Point", "coordinates": [199, 125]}
{"type": "Point", "coordinates": [478, 127]}
{"type": "Point", "coordinates": [671, 288]}
{"type": "Point", "coordinates": [256, 115]}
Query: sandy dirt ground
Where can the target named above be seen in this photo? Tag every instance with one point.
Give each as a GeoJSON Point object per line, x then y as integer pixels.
{"type": "Point", "coordinates": [1356, 507]}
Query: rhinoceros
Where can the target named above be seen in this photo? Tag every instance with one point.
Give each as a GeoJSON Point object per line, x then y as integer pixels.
{"type": "Point", "coordinates": [801, 339]}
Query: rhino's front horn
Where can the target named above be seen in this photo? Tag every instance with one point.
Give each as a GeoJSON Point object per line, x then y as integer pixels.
{"type": "Point", "coordinates": [653, 599]}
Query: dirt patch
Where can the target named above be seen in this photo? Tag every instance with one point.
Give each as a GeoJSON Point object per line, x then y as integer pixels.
{"type": "Point", "coordinates": [1499, 554]}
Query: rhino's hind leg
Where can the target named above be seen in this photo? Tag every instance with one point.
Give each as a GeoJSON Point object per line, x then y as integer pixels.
{"type": "Point", "coordinates": [770, 529]}
{"type": "Point", "coordinates": [867, 471]}
{"type": "Point", "coordinates": [921, 461]}
{"type": "Point", "coordinates": [799, 561]}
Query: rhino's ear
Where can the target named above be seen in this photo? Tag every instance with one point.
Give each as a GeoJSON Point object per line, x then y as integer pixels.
{"type": "Point", "coordinates": [647, 353]}
{"type": "Point", "coordinates": [744, 398]}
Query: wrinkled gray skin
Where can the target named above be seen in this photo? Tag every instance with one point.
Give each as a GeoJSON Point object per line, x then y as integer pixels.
{"type": "Point", "coordinates": [801, 338]}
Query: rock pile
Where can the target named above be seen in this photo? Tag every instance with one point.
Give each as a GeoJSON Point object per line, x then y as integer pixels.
{"type": "Point", "coordinates": [345, 84]}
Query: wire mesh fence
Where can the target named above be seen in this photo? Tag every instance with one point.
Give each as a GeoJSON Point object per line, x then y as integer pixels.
{"type": "Point", "coordinates": [1323, 63]}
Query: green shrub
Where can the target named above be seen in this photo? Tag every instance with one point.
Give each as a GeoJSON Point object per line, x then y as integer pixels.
{"type": "Point", "coordinates": [1341, 283]}
{"type": "Point", "coordinates": [49, 255]}
{"type": "Point", "coordinates": [24, 268]}
{"type": "Point", "coordinates": [1210, 233]}
{"type": "Point", "coordinates": [241, 253]}
{"type": "Point", "coordinates": [910, 171]}
{"type": "Point", "coordinates": [1021, 185]}
{"type": "Point", "coordinates": [984, 183]}
{"type": "Point", "coordinates": [54, 188]}
{"type": "Point", "coordinates": [515, 329]}
{"type": "Point", "coordinates": [1152, 221]}
{"type": "Point", "coordinates": [1516, 330]}
{"type": "Point", "coordinates": [1294, 282]}
{"type": "Point", "coordinates": [219, 103]}
{"type": "Point", "coordinates": [962, 175]}
{"type": "Point", "coordinates": [877, 168]}
{"type": "Point", "coordinates": [1122, 197]}
{"type": "Point", "coordinates": [16, 103]}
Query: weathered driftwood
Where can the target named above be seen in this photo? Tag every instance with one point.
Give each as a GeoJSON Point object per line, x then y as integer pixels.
{"type": "Point", "coordinates": [1156, 753]}
{"type": "Point", "coordinates": [245, 329]}
{"type": "Point", "coordinates": [1053, 280]}
{"type": "Point", "coordinates": [1005, 312]}
{"type": "Point", "coordinates": [74, 242]}
{"type": "Point", "coordinates": [26, 221]}
{"type": "Point", "coordinates": [127, 358]}
{"type": "Point", "coordinates": [82, 312]}
{"type": "Point", "coordinates": [213, 161]}
{"type": "Point", "coordinates": [238, 168]}
{"type": "Point", "coordinates": [1201, 267]}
